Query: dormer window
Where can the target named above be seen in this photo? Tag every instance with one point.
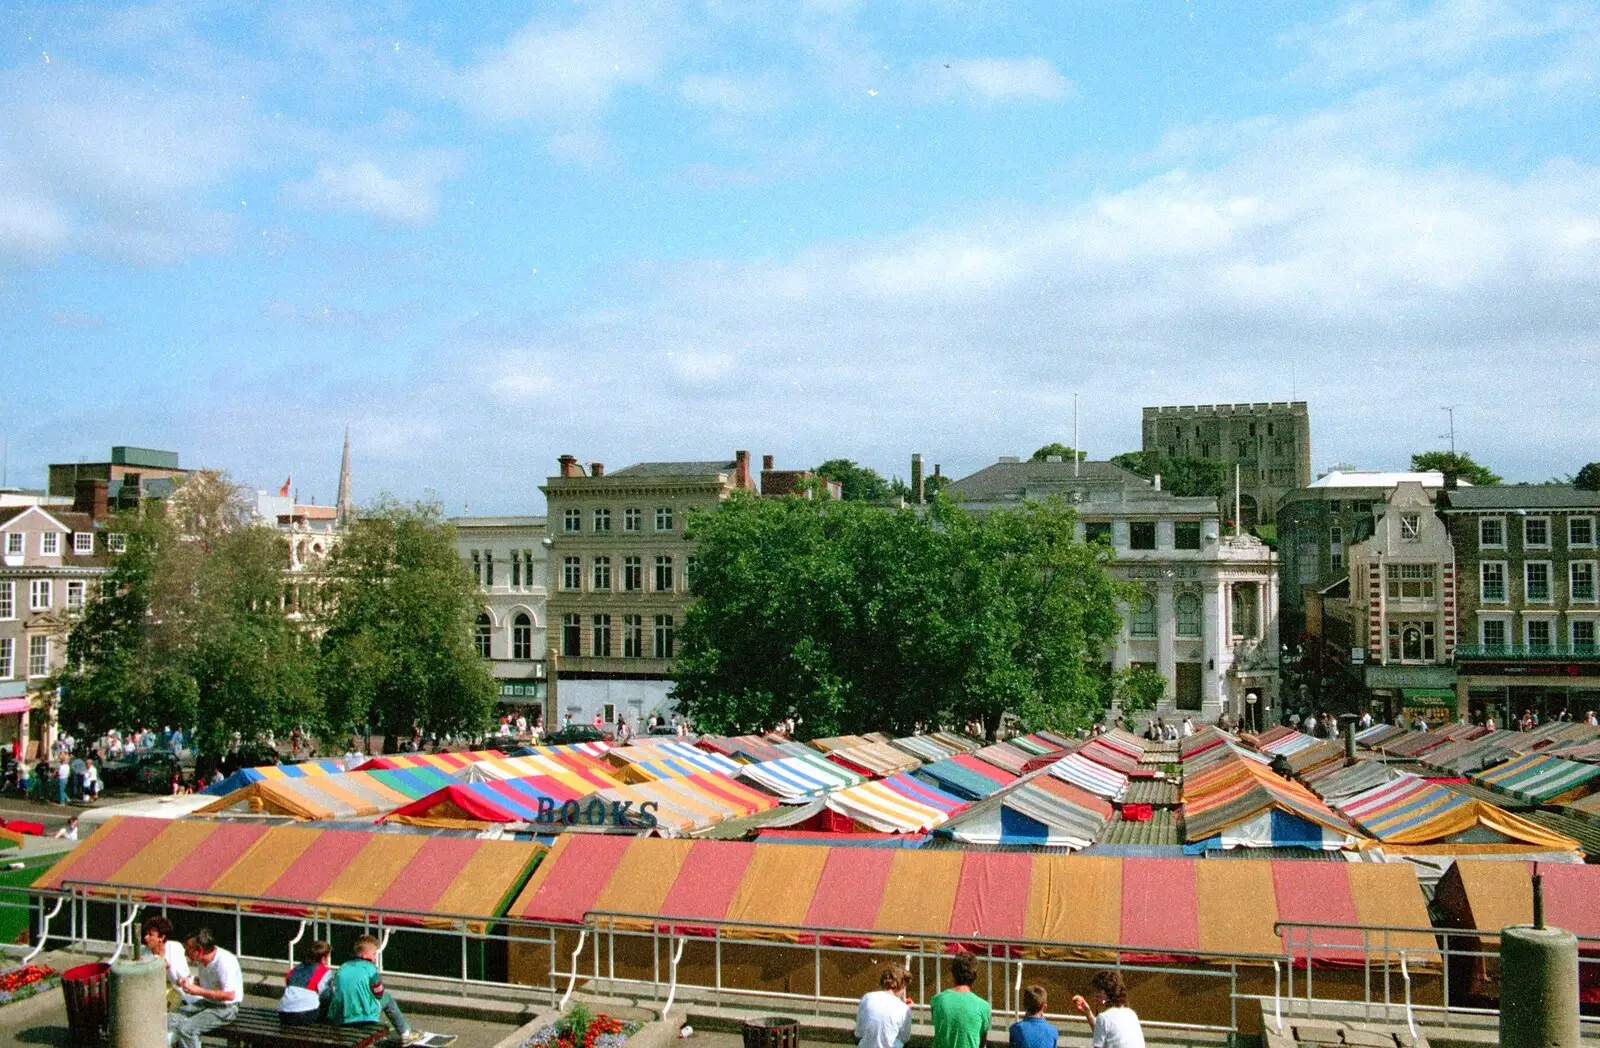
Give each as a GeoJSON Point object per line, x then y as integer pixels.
{"type": "Point", "coordinates": [83, 542]}
{"type": "Point", "coordinates": [50, 543]}
{"type": "Point", "coordinates": [1410, 527]}
{"type": "Point", "coordinates": [14, 544]}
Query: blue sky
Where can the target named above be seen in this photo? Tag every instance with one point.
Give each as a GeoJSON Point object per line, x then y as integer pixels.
{"type": "Point", "coordinates": [483, 236]}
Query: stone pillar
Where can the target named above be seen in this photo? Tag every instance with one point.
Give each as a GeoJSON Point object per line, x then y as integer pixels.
{"type": "Point", "coordinates": [1167, 642]}
{"type": "Point", "coordinates": [138, 1017]}
{"type": "Point", "coordinates": [1212, 625]}
{"type": "Point", "coordinates": [1538, 988]}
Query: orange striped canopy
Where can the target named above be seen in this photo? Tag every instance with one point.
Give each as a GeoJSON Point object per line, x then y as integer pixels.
{"type": "Point", "coordinates": [451, 762]}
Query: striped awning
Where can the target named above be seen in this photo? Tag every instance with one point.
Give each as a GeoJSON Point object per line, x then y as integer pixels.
{"type": "Point", "coordinates": [876, 759]}
{"type": "Point", "coordinates": [1039, 810]}
{"type": "Point", "coordinates": [687, 803]}
{"type": "Point", "coordinates": [245, 776]}
{"type": "Point", "coordinates": [963, 743]}
{"type": "Point", "coordinates": [578, 772]}
{"type": "Point", "coordinates": [1005, 756]}
{"type": "Point", "coordinates": [964, 775]}
{"type": "Point", "coordinates": [1412, 810]}
{"type": "Point", "coordinates": [1090, 776]}
{"type": "Point", "coordinates": [797, 778]}
{"type": "Point", "coordinates": [355, 794]}
{"type": "Point", "coordinates": [486, 802]}
{"type": "Point", "coordinates": [899, 804]}
{"type": "Point", "coordinates": [925, 747]}
{"type": "Point", "coordinates": [1538, 777]}
{"type": "Point", "coordinates": [1241, 803]}
{"type": "Point", "coordinates": [668, 760]}
{"type": "Point", "coordinates": [450, 762]}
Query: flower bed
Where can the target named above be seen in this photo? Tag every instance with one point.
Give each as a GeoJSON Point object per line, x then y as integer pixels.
{"type": "Point", "coordinates": [581, 1028]}
{"type": "Point", "coordinates": [25, 980]}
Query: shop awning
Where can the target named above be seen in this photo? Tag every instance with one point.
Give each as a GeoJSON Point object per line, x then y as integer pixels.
{"type": "Point", "coordinates": [1420, 696]}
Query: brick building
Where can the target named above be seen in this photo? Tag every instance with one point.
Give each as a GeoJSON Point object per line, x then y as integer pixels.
{"type": "Point", "coordinates": [1269, 443]}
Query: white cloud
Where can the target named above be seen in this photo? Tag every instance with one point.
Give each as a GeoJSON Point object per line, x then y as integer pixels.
{"type": "Point", "coordinates": [407, 196]}
{"type": "Point", "coordinates": [1008, 79]}
{"type": "Point", "coordinates": [737, 95]}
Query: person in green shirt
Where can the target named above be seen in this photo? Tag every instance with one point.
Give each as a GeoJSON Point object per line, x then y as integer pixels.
{"type": "Point", "coordinates": [960, 1017]}
{"type": "Point", "coordinates": [357, 995]}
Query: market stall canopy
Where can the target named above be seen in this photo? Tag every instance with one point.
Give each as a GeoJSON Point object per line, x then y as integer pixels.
{"type": "Point", "coordinates": [1416, 743]}
{"type": "Point", "coordinates": [1540, 779]}
{"type": "Point", "coordinates": [875, 759]}
{"type": "Point", "coordinates": [1039, 810]}
{"type": "Point", "coordinates": [290, 869]}
{"type": "Point", "coordinates": [355, 794]}
{"type": "Point", "coordinates": [1207, 738]}
{"type": "Point", "coordinates": [1035, 744]}
{"type": "Point", "coordinates": [667, 760]}
{"type": "Point", "coordinates": [1090, 776]}
{"type": "Point", "coordinates": [964, 743]}
{"type": "Point", "coordinates": [925, 747]}
{"type": "Point", "coordinates": [1322, 754]}
{"type": "Point", "coordinates": [1159, 906]}
{"type": "Point", "coordinates": [1102, 750]}
{"type": "Point", "coordinates": [750, 748]}
{"type": "Point", "coordinates": [475, 805]}
{"type": "Point", "coordinates": [899, 804]}
{"type": "Point", "coordinates": [1336, 782]}
{"type": "Point", "coordinates": [1577, 751]}
{"type": "Point", "coordinates": [596, 749]}
{"type": "Point", "coordinates": [245, 776]}
{"type": "Point", "coordinates": [1379, 734]}
{"type": "Point", "coordinates": [451, 762]}
{"type": "Point", "coordinates": [798, 778]}
{"type": "Point", "coordinates": [839, 742]}
{"type": "Point", "coordinates": [688, 803]}
{"type": "Point", "coordinates": [1248, 806]}
{"type": "Point", "coordinates": [1469, 755]}
{"type": "Point", "coordinates": [578, 772]}
{"type": "Point", "coordinates": [964, 775]}
{"type": "Point", "coordinates": [1005, 756]}
{"type": "Point", "coordinates": [1414, 811]}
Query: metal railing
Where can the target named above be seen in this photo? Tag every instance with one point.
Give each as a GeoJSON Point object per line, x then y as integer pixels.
{"type": "Point", "coordinates": [1576, 652]}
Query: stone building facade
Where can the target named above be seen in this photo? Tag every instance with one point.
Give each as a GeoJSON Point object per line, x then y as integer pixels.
{"type": "Point", "coordinates": [1269, 443]}
{"type": "Point", "coordinates": [1206, 617]}
{"type": "Point", "coordinates": [507, 557]}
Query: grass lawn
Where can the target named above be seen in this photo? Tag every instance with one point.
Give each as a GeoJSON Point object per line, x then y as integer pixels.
{"type": "Point", "coordinates": [13, 904]}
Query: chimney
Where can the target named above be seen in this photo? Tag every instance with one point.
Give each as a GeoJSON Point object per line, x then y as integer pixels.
{"type": "Point", "coordinates": [597, 469]}
{"type": "Point", "coordinates": [917, 492]}
{"type": "Point", "coordinates": [741, 470]}
{"type": "Point", "coordinates": [936, 471]}
{"type": "Point", "coordinates": [90, 496]}
{"type": "Point", "coordinates": [766, 462]}
{"type": "Point", "coordinates": [570, 467]}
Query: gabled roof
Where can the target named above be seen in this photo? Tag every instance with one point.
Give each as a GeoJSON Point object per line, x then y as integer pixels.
{"type": "Point", "coordinates": [13, 514]}
{"type": "Point", "coordinates": [1097, 483]}
{"type": "Point", "coordinates": [1519, 496]}
{"type": "Point", "coordinates": [675, 469]}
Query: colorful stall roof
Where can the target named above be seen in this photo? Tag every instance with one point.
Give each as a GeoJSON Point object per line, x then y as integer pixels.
{"type": "Point", "coordinates": [1202, 741]}
{"type": "Point", "coordinates": [1378, 734]}
{"type": "Point", "coordinates": [1320, 754]}
{"type": "Point", "coordinates": [1156, 906]}
{"type": "Point", "coordinates": [798, 778]}
{"type": "Point", "coordinates": [450, 762]}
{"type": "Point", "coordinates": [1416, 743]}
{"type": "Point", "coordinates": [898, 804]}
{"type": "Point", "coordinates": [1034, 744]}
{"type": "Point", "coordinates": [1335, 783]}
{"type": "Point", "coordinates": [1124, 740]}
{"type": "Point", "coordinates": [964, 775]}
{"type": "Point", "coordinates": [687, 803]}
{"type": "Point", "coordinates": [1005, 756]}
{"type": "Point", "coordinates": [925, 747]}
{"type": "Point", "coordinates": [668, 760]}
{"type": "Point", "coordinates": [1243, 804]}
{"type": "Point", "coordinates": [1090, 776]}
{"type": "Point", "coordinates": [1470, 755]}
{"type": "Point", "coordinates": [1539, 778]}
{"type": "Point", "coordinates": [245, 776]}
{"type": "Point", "coordinates": [355, 794]}
{"type": "Point", "coordinates": [1588, 751]}
{"type": "Point", "coordinates": [1413, 811]}
{"type": "Point", "coordinates": [1488, 895]}
{"type": "Point", "coordinates": [874, 759]}
{"type": "Point", "coordinates": [288, 869]}
{"type": "Point", "coordinates": [839, 742]}
{"type": "Point", "coordinates": [1102, 750]}
{"type": "Point", "coordinates": [578, 772]}
{"type": "Point", "coordinates": [1289, 742]}
{"type": "Point", "coordinates": [1038, 810]}
{"type": "Point", "coordinates": [485, 802]}
{"type": "Point", "coordinates": [749, 748]}
{"type": "Point", "coordinates": [964, 743]}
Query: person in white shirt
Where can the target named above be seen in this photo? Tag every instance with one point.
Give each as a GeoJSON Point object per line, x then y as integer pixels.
{"type": "Point", "coordinates": [883, 1018]}
{"type": "Point", "coordinates": [217, 985]}
{"type": "Point", "coordinates": [158, 942]}
{"type": "Point", "coordinates": [1116, 1026]}
{"type": "Point", "coordinates": [1309, 725]}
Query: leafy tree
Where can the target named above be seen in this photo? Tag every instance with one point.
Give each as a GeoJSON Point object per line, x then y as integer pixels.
{"type": "Point", "coordinates": [853, 618]}
{"type": "Point", "coordinates": [1058, 449]}
{"type": "Point", "coordinates": [1588, 478]}
{"type": "Point", "coordinates": [1180, 475]}
{"type": "Point", "coordinates": [1137, 689]}
{"type": "Point", "coordinates": [859, 483]}
{"type": "Point", "coordinates": [1455, 465]}
{"type": "Point", "coordinates": [397, 640]}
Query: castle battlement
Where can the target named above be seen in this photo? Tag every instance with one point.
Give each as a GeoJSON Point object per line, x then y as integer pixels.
{"type": "Point", "coordinates": [1293, 407]}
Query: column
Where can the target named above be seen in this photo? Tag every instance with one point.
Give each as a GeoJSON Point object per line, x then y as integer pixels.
{"type": "Point", "coordinates": [1166, 641]}
{"type": "Point", "coordinates": [1213, 622]}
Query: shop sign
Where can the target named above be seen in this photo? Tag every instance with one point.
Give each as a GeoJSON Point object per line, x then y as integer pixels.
{"type": "Point", "coordinates": [596, 812]}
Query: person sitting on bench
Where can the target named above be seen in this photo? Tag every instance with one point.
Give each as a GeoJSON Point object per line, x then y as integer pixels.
{"type": "Point", "coordinates": [357, 994]}
{"type": "Point", "coordinates": [307, 988]}
{"type": "Point", "coordinates": [217, 987]}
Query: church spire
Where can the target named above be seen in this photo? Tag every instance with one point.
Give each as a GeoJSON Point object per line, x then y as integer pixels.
{"type": "Point", "coordinates": [346, 510]}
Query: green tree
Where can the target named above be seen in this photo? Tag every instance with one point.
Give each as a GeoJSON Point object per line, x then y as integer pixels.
{"type": "Point", "coordinates": [854, 618]}
{"type": "Point", "coordinates": [1455, 465]}
{"type": "Point", "coordinates": [1137, 689]}
{"type": "Point", "coordinates": [1180, 475]}
{"type": "Point", "coordinates": [397, 639]}
{"type": "Point", "coordinates": [1588, 478]}
{"type": "Point", "coordinates": [1058, 449]}
{"type": "Point", "coordinates": [858, 483]}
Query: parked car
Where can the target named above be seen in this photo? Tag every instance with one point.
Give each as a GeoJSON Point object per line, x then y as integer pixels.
{"type": "Point", "coordinates": [147, 771]}
{"type": "Point", "coordinates": [575, 733]}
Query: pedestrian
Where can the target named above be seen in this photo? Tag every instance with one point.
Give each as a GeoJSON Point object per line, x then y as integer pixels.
{"type": "Point", "coordinates": [883, 1018]}
{"type": "Point", "coordinates": [357, 996]}
{"type": "Point", "coordinates": [217, 986]}
{"type": "Point", "coordinates": [1590, 719]}
{"type": "Point", "coordinates": [63, 773]}
{"type": "Point", "coordinates": [91, 781]}
{"type": "Point", "coordinates": [1366, 720]}
{"type": "Point", "coordinates": [1033, 1030]}
{"type": "Point", "coordinates": [156, 933]}
{"type": "Point", "coordinates": [1116, 1025]}
{"type": "Point", "coordinates": [306, 989]}
{"type": "Point", "coordinates": [1309, 725]}
{"type": "Point", "coordinates": [960, 1017]}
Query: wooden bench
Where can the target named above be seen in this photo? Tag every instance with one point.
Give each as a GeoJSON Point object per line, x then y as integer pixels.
{"type": "Point", "coordinates": [254, 1027]}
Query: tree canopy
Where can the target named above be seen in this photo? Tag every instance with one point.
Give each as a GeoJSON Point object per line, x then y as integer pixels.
{"type": "Point", "coordinates": [1455, 465]}
{"type": "Point", "coordinates": [853, 618]}
{"type": "Point", "coordinates": [858, 483]}
{"type": "Point", "coordinates": [1588, 478]}
{"type": "Point", "coordinates": [1180, 475]}
{"type": "Point", "coordinates": [1058, 449]}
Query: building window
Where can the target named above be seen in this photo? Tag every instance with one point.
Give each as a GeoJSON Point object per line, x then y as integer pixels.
{"type": "Point", "coordinates": [632, 636]}
{"type": "Point", "coordinates": [116, 542]}
{"type": "Point", "coordinates": [663, 518]}
{"type": "Point", "coordinates": [477, 568]}
{"type": "Point", "coordinates": [608, 713]}
{"type": "Point", "coordinates": [1493, 633]}
{"type": "Point", "coordinates": [1492, 581]}
{"type": "Point", "coordinates": [41, 593]}
{"type": "Point", "coordinates": [482, 630]}
{"type": "Point", "coordinates": [488, 567]}
{"type": "Point", "coordinates": [1189, 685]}
{"type": "Point", "coordinates": [1246, 623]}
{"type": "Point", "coordinates": [1411, 581]}
{"type": "Point", "coordinates": [1097, 531]}
{"type": "Point", "coordinates": [8, 600]}
{"type": "Point", "coordinates": [600, 636]}
{"type": "Point", "coordinates": [571, 574]}
{"type": "Point", "coordinates": [1581, 631]}
{"type": "Point", "coordinates": [633, 519]}
{"type": "Point", "coordinates": [632, 574]}
{"type": "Point", "coordinates": [663, 574]}
{"type": "Point", "coordinates": [572, 521]}
{"type": "Point", "coordinates": [1336, 548]}
{"type": "Point", "coordinates": [1536, 532]}
{"type": "Point", "coordinates": [1539, 633]}
{"type": "Point", "coordinates": [1536, 580]}
{"type": "Point", "coordinates": [1143, 621]}
{"type": "Point", "coordinates": [1186, 535]}
{"type": "Point", "coordinates": [1186, 608]}
{"type": "Point", "coordinates": [50, 543]}
{"type": "Point", "coordinates": [1410, 527]}
{"type": "Point", "coordinates": [1411, 640]}
{"type": "Point", "coordinates": [1142, 534]}
{"type": "Point", "coordinates": [1580, 580]}
{"type": "Point", "coordinates": [75, 591]}
{"type": "Point", "coordinates": [1491, 533]}
{"type": "Point", "coordinates": [8, 656]}
{"type": "Point", "coordinates": [663, 647]}
{"type": "Point", "coordinates": [522, 637]}
{"type": "Point", "coordinates": [516, 569]}
{"type": "Point", "coordinates": [83, 542]}
{"type": "Point", "coordinates": [571, 635]}
{"type": "Point", "coordinates": [14, 544]}
{"type": "Point", "coordinates": [528, 580]}
{"type": "Point", "coordinates": [602, 522]}
{"type": "Point", "coordinates": [1580, 531]}
{"type": "Point", "coordinates": [601, 574]}
{"type": "Point", "coordinates": [38, 656]}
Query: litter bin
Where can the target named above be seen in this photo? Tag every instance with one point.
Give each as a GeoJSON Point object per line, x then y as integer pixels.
{"type": "Point", "coordinates": [772, 1032]}
{"type": "Point", "coordinates": [87, 989]}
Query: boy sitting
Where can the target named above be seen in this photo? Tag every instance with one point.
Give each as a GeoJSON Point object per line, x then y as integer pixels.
{"type": "Point", "coordinates": [307, 988]}
{"type": "Point", "coordinates": [357, 993]}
